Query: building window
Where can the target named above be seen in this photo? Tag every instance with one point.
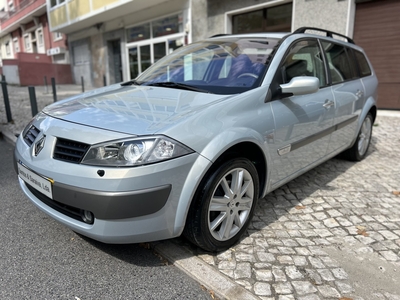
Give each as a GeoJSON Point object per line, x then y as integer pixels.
{"type": "Point", "coordinates": [16, 45]}
{"type": "Point", "coordinates": [57, 36]}
{"type": "Point", "coordinates": [138, 33]}
{"type": "Point", "coordinates": [169, 34]}
{"type": "Point", "coordinates": [271, 19]}
{"type": "Point", "coordinates": [8, 48]}
{"type": "Point", "coordinates": [157, 28]}
{"type": "Point", "coordinates": [166, 26]}
{"type": "Point", "coordinates": [39, 37]}
{"type": "Point", "coordinates": [27, 42]}
{"type": "Point", "coordinates": [56, 2]}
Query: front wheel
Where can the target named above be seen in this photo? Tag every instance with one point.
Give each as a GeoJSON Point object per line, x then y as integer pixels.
{"type": "Point", "coordinates": [223, 205]}
{"type": "Point", "coordinates": [359, 150]}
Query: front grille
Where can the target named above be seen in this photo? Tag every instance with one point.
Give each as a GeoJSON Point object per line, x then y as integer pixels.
{"type": "Point", "coordinates": [70, 211]}
{"type": "Point", "coordinates": [31, 135]}
{"type": "Point", "coordinates": [70, 151]}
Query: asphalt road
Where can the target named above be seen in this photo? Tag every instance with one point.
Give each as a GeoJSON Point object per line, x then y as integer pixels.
{"type": "Point", "coordinates": [41, 259]}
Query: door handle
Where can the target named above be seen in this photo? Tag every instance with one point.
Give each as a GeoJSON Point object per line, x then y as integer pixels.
{"type": "Point", "coordinates": [328, 103]}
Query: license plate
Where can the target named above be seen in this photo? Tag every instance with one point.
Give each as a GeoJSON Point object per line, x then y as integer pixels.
{"type": "Point", "coordinates": [36, 181]}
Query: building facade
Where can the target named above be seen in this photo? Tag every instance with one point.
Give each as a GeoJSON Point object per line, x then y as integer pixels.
{"type": "Point", "coordinates": [115, 40]}
{"type": "Point", "coordinates": [29, 51]}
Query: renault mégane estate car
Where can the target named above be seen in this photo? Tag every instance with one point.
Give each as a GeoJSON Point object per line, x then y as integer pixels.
{"type": "Point", "coordinates": [190, 145]}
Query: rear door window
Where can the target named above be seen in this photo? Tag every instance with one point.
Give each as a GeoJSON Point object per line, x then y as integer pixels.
{"type": "Point", "coordinates": [340, 67]}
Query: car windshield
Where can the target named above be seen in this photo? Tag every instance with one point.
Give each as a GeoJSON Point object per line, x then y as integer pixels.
{"type": "Point", "coordinates": [219, 65]}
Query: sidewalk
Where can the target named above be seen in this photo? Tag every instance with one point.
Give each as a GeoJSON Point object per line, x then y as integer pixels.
{"type": "Point", "coordinates": [21, 107]}
{"type": "Point", "coordinates": [332, 233]}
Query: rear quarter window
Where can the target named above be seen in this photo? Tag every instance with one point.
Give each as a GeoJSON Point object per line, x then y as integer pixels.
{"type": "Point", "coordinates": [363, 65]}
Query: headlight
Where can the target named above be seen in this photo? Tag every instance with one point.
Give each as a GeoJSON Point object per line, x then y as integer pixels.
{"type": "Point", "coordinates": [134, 152]}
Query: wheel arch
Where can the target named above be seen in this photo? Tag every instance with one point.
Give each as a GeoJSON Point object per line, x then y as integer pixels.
{"type": "Point", "coordinates": [252, 152]}
{"type": "Point", "coordinates": [373, 111]}
{"type": "Point", "coordinates": [244, 152]}
{"type": "Point", "coordinates": [369, 107]}
{"type": "Point", "coordinates": [241, 148]}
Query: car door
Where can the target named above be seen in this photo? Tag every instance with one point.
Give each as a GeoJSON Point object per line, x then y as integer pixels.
{"type": "Point", "coordinates": [348, 91]}
{"type": "Point", "coordinates": [303, 123]}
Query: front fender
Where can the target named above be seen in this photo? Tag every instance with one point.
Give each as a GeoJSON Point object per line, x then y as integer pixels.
{"type": "Point", "coordinates": [231, 137]}
{"type": "Point", "coordinates": [219, 145]}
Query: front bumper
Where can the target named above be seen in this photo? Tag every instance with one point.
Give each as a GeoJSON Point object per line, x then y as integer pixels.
{"type": "Point", "coordinates": [72, 201]}
{"type": "Point", "coordinates": [119, 216]}
{"type": "Point", "coordinates": [129, 205]}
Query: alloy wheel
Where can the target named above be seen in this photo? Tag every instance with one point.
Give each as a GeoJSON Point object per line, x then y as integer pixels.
{"type": "Point", "coordinates": [230, 204]}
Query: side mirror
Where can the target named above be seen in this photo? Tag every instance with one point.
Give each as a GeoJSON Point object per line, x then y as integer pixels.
{"type": "Point", "coordinates": [300, 85]}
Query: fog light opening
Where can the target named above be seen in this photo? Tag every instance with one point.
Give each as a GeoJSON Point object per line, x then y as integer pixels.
{"type": "Point", "coordinates": [87, 216]}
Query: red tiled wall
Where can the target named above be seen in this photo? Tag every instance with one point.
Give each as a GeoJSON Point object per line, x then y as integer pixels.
{"type": "Point", "coordinates": [33, 57]}
{"type": "Point", "coordinates": [31, 73]}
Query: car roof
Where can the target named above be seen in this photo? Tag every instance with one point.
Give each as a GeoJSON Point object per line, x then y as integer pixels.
{"type": "Point", "coordinates": [305, 31]}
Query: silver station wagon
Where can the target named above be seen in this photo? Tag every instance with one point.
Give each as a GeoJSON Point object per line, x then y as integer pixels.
{"type": "Point", "coordinates": [190, 145]}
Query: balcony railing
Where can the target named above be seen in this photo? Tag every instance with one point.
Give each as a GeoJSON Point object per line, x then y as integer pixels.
{"type": "Point", "coordinates": [5, 15]}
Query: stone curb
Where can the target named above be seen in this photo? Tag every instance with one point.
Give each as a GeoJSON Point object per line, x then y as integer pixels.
{"type": "Point", "coordinates": [389, 113]}
{"type": "Point", "coordinates": [222, 286]}
{"type": "Point", "coordinates": [8, 136]}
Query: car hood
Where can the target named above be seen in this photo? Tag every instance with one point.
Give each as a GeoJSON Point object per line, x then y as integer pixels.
{"type": "Point", "coordinates": [135, 110]}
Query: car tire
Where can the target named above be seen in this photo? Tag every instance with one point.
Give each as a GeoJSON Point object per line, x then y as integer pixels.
{"type": "Point", "coordinates": [223, 205]}
{"type": "Point", "coordinates": [360, 148]}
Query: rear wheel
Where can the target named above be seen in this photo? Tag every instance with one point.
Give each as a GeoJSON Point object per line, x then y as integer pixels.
{"type": "Point", "coordinates": [359, 150]}
{"type": "Point", "coordinates": [223, 205]}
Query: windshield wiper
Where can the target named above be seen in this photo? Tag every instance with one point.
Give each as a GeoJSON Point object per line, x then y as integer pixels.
{"type": "Point", "coordinates": [130, 82]}
{"type": "Point", "coordinates": [177, 85]}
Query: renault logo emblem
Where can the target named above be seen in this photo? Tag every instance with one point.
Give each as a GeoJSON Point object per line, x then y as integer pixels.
{"type": "Point", "coordinates": [39, 145]}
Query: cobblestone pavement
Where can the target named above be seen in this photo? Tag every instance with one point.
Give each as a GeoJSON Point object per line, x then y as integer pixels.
{"type": "Point", "coordinates": [332, 233]}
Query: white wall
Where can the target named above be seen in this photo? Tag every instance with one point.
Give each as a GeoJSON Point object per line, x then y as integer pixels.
{"type": "Point", "coordinates": [3, 5]}
{"type": "Point", "coordinates": [12, 75]}
{"type": "Point", "coordinates": [327, 14]}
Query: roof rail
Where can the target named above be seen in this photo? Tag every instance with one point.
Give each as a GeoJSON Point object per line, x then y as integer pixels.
{"type": "Point", "coordinates": [327, 32]}
{"type": "Point", "coordinates": [219, 34]}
